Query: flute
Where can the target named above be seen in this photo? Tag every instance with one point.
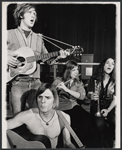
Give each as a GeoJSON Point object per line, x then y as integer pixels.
{"type": "Point", "coordinates": [70, 80]}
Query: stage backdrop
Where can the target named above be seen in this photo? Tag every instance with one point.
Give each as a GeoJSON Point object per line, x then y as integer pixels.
{"type": "Point", "coordinates": [92, 26]}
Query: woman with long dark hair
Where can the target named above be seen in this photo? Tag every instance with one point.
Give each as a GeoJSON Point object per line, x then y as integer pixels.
{"type": "Point", "coordinates": [105, 79]}
{"type": "Point", "coordinates": [71, 90]}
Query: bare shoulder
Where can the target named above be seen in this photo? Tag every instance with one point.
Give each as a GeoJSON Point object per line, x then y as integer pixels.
{"type": "Point", "coordinates": [22, 117]}
{"type": "Point", "coordinates": [35, 110]}
{"type": "Point", "coordinates": [25, 114]}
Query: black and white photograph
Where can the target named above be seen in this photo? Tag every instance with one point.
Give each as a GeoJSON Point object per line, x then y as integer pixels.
{"type": "Point", "coordinates": [61, 74]}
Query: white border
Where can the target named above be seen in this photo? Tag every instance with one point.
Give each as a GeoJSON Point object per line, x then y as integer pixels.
{"type": "Point", "coordinates": [4, 63]}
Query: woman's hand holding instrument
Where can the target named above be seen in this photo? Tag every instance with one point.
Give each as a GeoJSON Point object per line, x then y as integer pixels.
{"type": "Point", "coordinates": [62, 84]}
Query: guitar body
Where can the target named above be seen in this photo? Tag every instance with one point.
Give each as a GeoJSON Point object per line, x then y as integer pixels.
{"type": "Point", "coordinates": [27, 63]}
{"type": "Point", "coordinates": [21, 137]}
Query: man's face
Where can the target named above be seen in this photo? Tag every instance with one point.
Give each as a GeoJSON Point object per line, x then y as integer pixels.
{"type": "Point", "coordinates": [45, 101]}
{"type": "Point", "coordinates": [29, 18]}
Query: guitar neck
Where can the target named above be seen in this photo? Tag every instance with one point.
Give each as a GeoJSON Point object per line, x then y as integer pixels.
{"type": "Point", "coordinates": [70, 129]}
{"type": "Point", "coordinates": [42, 56]}
{"type": "Point", "coordinates": [74, 135]}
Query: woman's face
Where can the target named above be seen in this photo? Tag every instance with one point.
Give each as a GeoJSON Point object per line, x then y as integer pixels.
{"type": "Point", "coordinates": [109, 66]}
{"type": "Point", "coordinates": [74, 72]}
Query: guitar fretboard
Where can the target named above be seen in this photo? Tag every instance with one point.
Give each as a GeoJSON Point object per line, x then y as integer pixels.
{"type": "Point", "coordinates": [41, 57]}
{"type": "Point", "coordinates": [70, 129]}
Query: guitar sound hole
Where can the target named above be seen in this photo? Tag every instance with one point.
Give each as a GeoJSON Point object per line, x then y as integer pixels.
{"type": "Point", "coordinates": [21, 61]}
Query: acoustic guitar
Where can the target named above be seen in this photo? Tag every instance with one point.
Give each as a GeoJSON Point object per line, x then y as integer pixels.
{"type": "Point", "coordinates": [21, 137]}
{"type": "Point", "coordinates": [27, 60]}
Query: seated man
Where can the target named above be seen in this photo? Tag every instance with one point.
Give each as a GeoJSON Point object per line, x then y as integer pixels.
{"type": "Point", "coordinates": [44, 120]}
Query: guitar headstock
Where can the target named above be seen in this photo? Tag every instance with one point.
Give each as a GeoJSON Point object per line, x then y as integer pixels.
{"type": "Point", "coordinates": [75, 50]}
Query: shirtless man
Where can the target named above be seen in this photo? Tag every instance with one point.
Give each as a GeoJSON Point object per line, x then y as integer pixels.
{"type": "Point", "coordinates": [44, 119]}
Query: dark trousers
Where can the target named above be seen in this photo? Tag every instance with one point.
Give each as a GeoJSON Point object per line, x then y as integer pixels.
{"type": "Point", "coordinates": [81, 124]}
{"type": "Point", "coordinates": [105, 130]}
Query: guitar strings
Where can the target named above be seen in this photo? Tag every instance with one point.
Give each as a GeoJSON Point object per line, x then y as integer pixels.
{"type": "Point", "coordinates": [57, 41]}
{"type": "Point", "coordinates": [52, 43]}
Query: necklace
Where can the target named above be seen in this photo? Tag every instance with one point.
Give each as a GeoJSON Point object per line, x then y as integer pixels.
{"type": "Point", "coordinates": [47, 122]}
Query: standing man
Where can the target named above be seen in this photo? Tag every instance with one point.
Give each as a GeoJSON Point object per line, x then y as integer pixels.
{"type": "Point", "coordinates": [25, 16]}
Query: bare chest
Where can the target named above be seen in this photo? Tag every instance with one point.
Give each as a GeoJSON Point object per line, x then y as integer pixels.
{"type": "Point", "coordinates": [39, 127]}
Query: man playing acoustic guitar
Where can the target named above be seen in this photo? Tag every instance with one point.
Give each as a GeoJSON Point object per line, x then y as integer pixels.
{"type": "Point", "coordinates": [43, 120]}
{"type": "Point", "coordinates": [25, 74]}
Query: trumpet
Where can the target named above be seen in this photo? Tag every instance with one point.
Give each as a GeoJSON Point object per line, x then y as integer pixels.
{"type": "Point", "coordinates": [97, 90]}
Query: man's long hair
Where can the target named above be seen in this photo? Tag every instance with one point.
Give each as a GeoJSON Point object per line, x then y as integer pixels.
{"type": "Point", "coordinates": [52, 88]}
{"type": "Point", "coordinates": [20, 11]}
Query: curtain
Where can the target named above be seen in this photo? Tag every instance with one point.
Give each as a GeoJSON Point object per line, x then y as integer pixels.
{"type": "Point", "coordinates": [91, 26]}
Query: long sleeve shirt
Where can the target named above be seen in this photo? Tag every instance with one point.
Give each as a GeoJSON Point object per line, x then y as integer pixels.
{"type": "Point", "coordinates": [67, 101]}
